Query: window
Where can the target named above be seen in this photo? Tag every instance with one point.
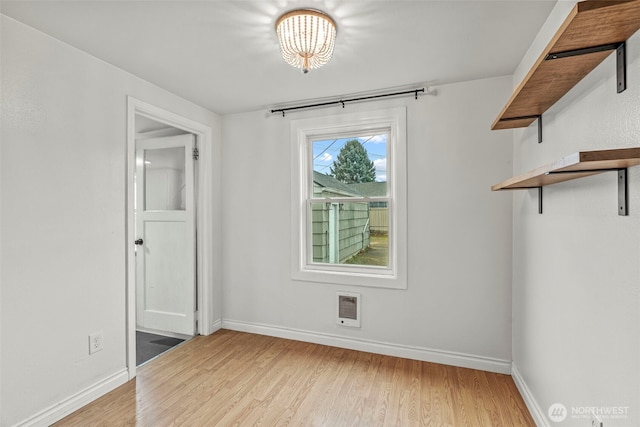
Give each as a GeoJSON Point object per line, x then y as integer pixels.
{"type": "Point", "coordinates": [352, 227]}
{"type": "Point", "coordinates": [349, 199]}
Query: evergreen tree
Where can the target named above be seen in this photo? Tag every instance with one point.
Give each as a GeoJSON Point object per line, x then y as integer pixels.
{"type": "Point", "coordinates": [353, 165]}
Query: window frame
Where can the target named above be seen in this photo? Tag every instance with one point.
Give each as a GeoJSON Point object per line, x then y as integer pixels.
{"type": "Point", "coordinates": [303, 132]}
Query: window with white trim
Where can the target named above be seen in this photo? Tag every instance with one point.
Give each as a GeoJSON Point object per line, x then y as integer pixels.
{"type": "Point", "coordinates": [349, 199]}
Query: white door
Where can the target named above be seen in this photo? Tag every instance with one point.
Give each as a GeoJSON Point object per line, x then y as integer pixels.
{"type": "Point", "coordinates": [165, 235]}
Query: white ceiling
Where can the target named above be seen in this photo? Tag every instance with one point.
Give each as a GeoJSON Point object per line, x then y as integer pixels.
{"type": "Point", "coordinates": [223, 55]}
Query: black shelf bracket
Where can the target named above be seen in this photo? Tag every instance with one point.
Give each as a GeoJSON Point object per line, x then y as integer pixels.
{"type": "Point", "coordinates": [540, 200]}
{"type": "Point", "coordinates": [621, 66]}
{"type": "Point", "coordinates": [621, 59]}
{"type": "Point", "coordinates": [622, 192]}
{"type": "Point", "coordinates": [540, 129]}
{"type": "Point", "coordinates": [531, 188]}
{"type": "Point", "coordinates": [623, 195]}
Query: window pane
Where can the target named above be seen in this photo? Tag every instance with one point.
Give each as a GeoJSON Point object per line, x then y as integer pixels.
{"type": "Point", "coordinates": [164, 178]}
{"type": "Point", "coordinates": [350, 233]}
{"type": "Point", "coordinates": [350, 167]}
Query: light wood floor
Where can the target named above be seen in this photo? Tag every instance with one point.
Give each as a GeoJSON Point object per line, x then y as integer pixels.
{"type": "Point", "coordinates": [233, 378]}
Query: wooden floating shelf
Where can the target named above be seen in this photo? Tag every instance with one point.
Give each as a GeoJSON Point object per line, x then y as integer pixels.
{"type": "Point", "coordinates": [576, 165]}
{"type": "Point", "coordinates": [590, 24]}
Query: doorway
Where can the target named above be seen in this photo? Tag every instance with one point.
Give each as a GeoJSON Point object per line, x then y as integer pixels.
{"type": "Point", "coordinates": [166, 301]}
{"type": "Point", "coordinates": [165, 235]}
{"type": "Point", "coordinates": [165, 244]}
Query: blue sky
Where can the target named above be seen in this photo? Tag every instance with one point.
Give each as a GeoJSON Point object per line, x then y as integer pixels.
{"type": "Point", "coordinates": [326, 151]}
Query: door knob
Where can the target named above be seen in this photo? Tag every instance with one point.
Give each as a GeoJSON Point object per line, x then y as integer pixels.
{"type": "Point", "coordinates": [139, 242]}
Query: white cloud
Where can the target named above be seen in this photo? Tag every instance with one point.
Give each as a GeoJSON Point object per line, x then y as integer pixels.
{"type": "Point", "coordinates": [375, 139]}
{"type": "Point", "coordinates": [380, 164]}
{"type": "Point", "coordinates": [326, 157]}
{"type": "Point", "coordinates": [381, 169]}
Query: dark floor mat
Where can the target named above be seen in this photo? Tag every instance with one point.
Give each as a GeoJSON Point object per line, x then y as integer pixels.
{"type": "Point", "coordinates": [149, 346]}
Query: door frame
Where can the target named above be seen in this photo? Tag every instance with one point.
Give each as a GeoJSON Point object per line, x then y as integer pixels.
{"type": "Point", "coordinates": [204, 218]}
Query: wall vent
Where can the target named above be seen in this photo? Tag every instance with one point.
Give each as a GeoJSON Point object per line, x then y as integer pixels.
{"type": "Point", "coordinates": [348, 309]}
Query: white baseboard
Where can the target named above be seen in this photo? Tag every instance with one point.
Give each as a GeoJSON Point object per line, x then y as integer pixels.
{"type": "Point", "coordinates": [216, 326]}
{"type": "Point", "coordinates": [536, 412]}
{"type": "Point", "coordinates": [417, 353]}
{"type": "Point", "coordinates": [62, 409]}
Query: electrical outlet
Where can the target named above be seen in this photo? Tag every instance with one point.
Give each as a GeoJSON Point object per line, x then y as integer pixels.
{"type": "Point", "coordinates": [95, 342]}
{"type": "Point", "coordinates": [595, 421]}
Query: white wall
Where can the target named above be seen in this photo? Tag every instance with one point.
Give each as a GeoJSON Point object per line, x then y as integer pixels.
{"type": "Point", "coordinates": [576, 311]}
{"type": "Point", "coordinates": [459, 292]}
{"type": "Point", "coordinates": [63, 182]}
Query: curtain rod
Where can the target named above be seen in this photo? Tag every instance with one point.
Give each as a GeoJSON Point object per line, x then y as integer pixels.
{"type": "Point", "coordinates": [343, 101]}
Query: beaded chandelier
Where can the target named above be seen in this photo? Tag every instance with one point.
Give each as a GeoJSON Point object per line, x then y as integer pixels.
{"type": "Point", "coordinates": [307, 37]}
